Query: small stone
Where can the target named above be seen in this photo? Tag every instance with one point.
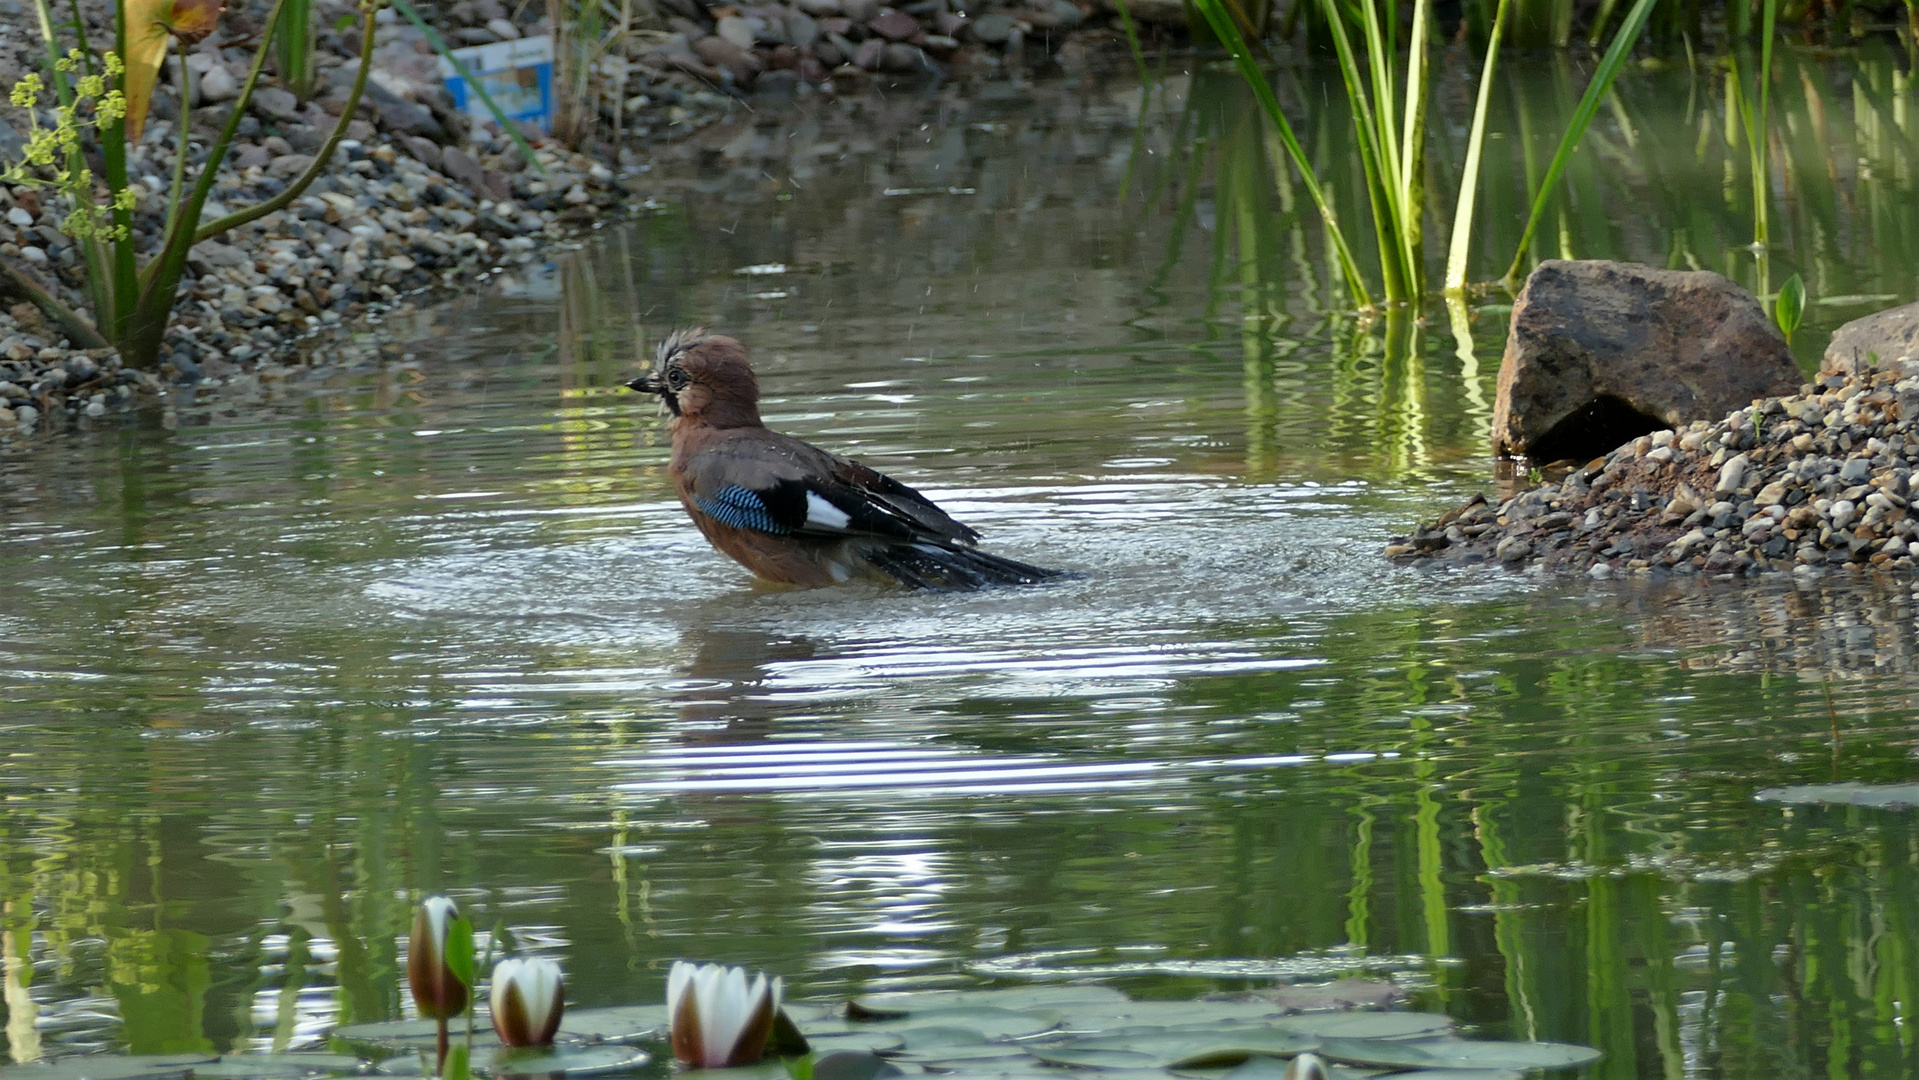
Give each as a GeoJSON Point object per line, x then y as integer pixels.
{"type": "Point", "coordinates": [26, 415]}
{"type": "Point", "coordinates": [1855, 470]}
{"type": "Point", "coordinates": [96, 408]}
{"type": "Point", "coordinates": [290, 166]}
{"type": "Point", "coordinates": [900, 57]}
{"type": "Point", "coordinates": [1513, 549]}
{"type": "Point", "coordinates": [503, 29]}
{"type": "Point", "coordinates": [273, 103]}
{"type": "Point", "coordinates": [19, 217]}
{"type": "Point", "coordinates": [894, 26]}
{"type": "Point", "coordinates": [1732, 475]}
{"type": "Point", "coordinates": [736, 30]}
{"type": "Point", "coordinates": [218, 84]}
{"type": "Point", "coordinates": [992, 28]}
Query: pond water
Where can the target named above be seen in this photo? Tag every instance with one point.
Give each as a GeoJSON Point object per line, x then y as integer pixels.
{"type": "Point", "coordinates": [271, 673]}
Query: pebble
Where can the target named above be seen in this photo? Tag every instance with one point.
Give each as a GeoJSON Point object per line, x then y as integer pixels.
{"type": "Point", "coordinates": [1813, 481]}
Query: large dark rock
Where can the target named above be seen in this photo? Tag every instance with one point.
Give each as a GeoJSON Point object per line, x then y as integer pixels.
{"type": "Point", "coordinates": [1601, 352]}
{"type": "Point", "coordinates": [1883, 339]}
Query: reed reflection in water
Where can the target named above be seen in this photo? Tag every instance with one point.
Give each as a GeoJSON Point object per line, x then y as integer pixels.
{"type": "Point", "coordinates": [445, 629]}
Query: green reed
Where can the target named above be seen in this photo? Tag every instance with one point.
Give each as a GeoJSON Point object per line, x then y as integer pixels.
{"type": "Point", "coordinates": [293, 48]}
{"type": "Point", "coordinates": [1389, 98]}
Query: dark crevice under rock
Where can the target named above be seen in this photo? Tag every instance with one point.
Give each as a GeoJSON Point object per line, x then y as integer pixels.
{"type": "Point", "coordinates": [1593, 430]}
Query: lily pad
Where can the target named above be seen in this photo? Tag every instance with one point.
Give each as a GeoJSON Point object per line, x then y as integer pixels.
{"type": "Point", "coordinates": [1458, 1054]}
{"type": "Point", "coordinates": [874, 1042]}
{"type": "Point", "coordinates": [853, 1065]}
{"type": "Point", "coordinates": [1104, 1016]}
{"type": "Point", "coordinates": [924, 1039]}
{"type": "Point", "coordinates": [949, 1056]}
{"type": "Point", "coordinates": [621, 1023]}
{"type": "Point", "coordinates": [1369, 1025]}
{"type": "Point", "coordinates": [110, 1067]}
{"type": "Point", "coordinates": [991, 1022]}
{"type": "Point", "coordinates": [1069, 1054]}
{"type": "Point", "coordinates": [1017, 997]}
{"type": "Point", "coordinates": [278, 1066]}
{"type": "Point", "coordinates": [564, 1060]}
{"type": "Point", "coordinates": [414, 1034]}
{"type": "Point", "coordinates": [1200, 1049]}
{"type": "Point", "coordinates": [505, 1063]}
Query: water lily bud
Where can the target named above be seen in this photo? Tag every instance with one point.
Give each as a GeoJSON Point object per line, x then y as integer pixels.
{"type": "Point", "coordinates": [1306, 1067]}
{"type": "Point", "coordinates": [528, 997]}
{"type": "Point", "coordinates": [715, 1018]}
{"type": "Point", "coordinates": [436, 990]}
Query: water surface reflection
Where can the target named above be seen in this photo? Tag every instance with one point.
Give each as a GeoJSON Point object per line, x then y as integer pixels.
{"type": "Point", "coordinates": [444, 627]}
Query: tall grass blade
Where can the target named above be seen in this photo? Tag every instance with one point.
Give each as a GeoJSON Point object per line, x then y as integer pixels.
{"type": "Point", "coordinates": [1475, 146]}
{"type": "Point", "coordinates": [1222, 25]}
{"type": "Point", "coordinates": [1132, 41]}
{"type": "Point", "coordinates": [1372, 155]}
{"type": "Point", "coordinates": [440, 47]}
{"type": "Point", "coordinates": [1602, 80]}
{"type": "Point", "coordinates": [293, 48]}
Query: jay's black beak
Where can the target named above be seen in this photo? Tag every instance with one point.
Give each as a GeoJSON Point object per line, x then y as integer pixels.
{"type": "Point", "coordinates": [646, 384]}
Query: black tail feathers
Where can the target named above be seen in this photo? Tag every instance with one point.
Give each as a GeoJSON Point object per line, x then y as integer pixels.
{"type": "Point", "coordinates": [931, 566]}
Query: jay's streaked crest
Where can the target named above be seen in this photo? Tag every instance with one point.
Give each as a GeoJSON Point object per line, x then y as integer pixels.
{"type": "Point", "coordinates": [789, 511]}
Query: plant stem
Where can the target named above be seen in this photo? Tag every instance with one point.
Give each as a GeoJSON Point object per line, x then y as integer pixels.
{"type": "Point", "coordinates": [313, 171]}
{"type": "Point", "coordinates": [439, 1062]}
{"type": "Point", "coordinates": [140, 345]}
{"type": "Point", "coordinates": [1461, 247]}
{"type": "Point", "coordinates": [185, 141]}
{"type": "Point", "coordinates": [1602, 80]}
{"type": "Point", "coordinates": [113, 149]}
{"type": "Point", "coordinates": [77, 329]}
{"type": "Point", "coordinates": [1222, 25]}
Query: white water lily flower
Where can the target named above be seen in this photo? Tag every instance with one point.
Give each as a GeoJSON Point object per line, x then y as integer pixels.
{"type": "Point", "coordinates": [716, 1019]}
{"type": "Point", "coordinates": [436, 990]}
{"type": "Point", "coordinates": [529, 995]}
{"type": "Point", "coordinates": [1306, 1067]}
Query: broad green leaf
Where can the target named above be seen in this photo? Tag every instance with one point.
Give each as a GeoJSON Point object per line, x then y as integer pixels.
{"type": "Point", "coordinates": [1789, 306]}
{"type": "Point", "coordinates": [455, 1065]}
{"type": "Point", "coordinates": [1458, 1054]}
{"type": "Point", "coordinates": [459, 950]}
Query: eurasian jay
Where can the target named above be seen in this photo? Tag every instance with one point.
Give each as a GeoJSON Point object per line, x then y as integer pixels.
{"type": "Point", "coordinates": [789, 511]}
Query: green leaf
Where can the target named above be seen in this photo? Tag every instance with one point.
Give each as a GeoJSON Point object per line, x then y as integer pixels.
{"type": "Point", "coordinates": [799, 1068]}
{"type": "Point", "coordinates": [1789, 306]}
{"type": "Point", "coordinates": [1602, 80]}
{"type": "Point", "coordinates": [459, 950]}
{"type": "Point", "coordinates": [455, 1067]}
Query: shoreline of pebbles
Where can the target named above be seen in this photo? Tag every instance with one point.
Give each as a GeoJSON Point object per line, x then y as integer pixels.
{"type": "Point", "coordinates": [1816, 481]}
{"type": "Point", "coordinates": [418, 197]}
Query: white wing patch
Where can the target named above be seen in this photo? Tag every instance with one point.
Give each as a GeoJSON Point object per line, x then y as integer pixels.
{"type": "Point", "coordinates": [821, 514]}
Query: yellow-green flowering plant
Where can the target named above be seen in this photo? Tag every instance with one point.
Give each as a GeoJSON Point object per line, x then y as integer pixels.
{"type": "Point", "coordinates": [100, 100]}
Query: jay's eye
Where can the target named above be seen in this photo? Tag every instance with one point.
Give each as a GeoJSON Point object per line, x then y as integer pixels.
{"type": "Point", "coordinates": [676, 379]}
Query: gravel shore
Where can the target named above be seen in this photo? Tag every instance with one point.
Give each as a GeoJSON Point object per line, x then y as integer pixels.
{"type": "Point", "coordinates": [419, 197]}
{"type": "Point", "coordinates": [1816, 481]}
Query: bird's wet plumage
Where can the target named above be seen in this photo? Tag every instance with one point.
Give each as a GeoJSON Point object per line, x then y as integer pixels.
{"type": "Point", "coordinates": [790, 511]}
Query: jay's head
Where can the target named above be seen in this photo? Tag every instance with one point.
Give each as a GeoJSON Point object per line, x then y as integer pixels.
{"type": "Point", "coordinates": [704, 377]}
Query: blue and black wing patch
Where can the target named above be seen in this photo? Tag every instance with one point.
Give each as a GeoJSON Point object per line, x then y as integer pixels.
{"type": "Point", "coordinates": [742, 508]}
